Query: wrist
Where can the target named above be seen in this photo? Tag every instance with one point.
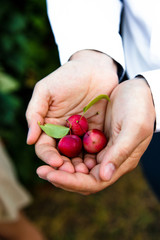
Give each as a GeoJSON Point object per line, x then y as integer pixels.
{"type": "Point", "coordinates": [140, 77]}
{"type": "Point", "coordinates": [142, 88]}
{"type": "Point", "coordinates": [95, 58]}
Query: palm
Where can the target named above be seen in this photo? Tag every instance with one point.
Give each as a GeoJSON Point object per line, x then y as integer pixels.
{"type": "Point", "coordinates": [57, 114]}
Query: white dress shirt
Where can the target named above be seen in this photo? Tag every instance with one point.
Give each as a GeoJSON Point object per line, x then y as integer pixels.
{"type": "Point", "coordinates": [95, 24]}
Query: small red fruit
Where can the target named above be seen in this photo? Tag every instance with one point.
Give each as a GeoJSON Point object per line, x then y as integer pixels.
{"type": "Point", "coordinates": [94, 141]}
{"type": "Point", "coordinates": [70, 145]}
{"type": "Point", "coordinates": [78, 124]}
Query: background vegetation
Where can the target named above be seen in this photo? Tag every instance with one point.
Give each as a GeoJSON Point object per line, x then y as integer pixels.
{"type": "Point", "coordinates": [127, 210]}
{"type": "Point", "coordinates": [27, 54]}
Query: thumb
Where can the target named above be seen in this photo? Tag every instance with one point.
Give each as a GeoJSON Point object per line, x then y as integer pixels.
{"type": "Point", "coordinates": [36, 111]}
{"type": "Point", "coordinates": [118, 152]}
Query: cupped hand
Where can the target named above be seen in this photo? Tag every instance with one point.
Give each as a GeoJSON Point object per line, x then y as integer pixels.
{"type": "Point", "coordinates": [129, 126]}
{"type": "Point", "coordinates": [66, 92]}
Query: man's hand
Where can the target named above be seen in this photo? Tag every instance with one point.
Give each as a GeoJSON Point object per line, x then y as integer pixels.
{"type": "Point", "coordinates": [66, 92]}
{"type": "Point", "coordinates": [129, 126]}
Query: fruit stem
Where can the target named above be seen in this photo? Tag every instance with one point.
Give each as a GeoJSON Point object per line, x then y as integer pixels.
{"type": "Point", "coordinates": [39, 123]}
{"type": "Point", "coordinates": [81, 117]}
{"type": "Point", "coordinates": [97, 113]}
{"type": "Point", "coordinates": [95, 100]}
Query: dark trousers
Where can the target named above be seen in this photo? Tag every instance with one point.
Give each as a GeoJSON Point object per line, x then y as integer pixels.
{"type": "Point", "coordinates": [150, 163]}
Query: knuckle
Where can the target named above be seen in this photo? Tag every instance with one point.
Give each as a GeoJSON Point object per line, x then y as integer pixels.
{"type": "Point", "coordinates": [27, 114]}
{"type": "Point", "coordinates": [124, 153]}
{"type": "Point", "coordinates": [41, 152]}
{"type": "Point", "coordinates": [38, 85]}
{"type": "Point", "coordinates": [133, 165]}
{"type": "Point", "coordinates": [144, 127]}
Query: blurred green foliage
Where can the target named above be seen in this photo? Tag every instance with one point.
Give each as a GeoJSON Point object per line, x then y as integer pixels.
{"type": "Point", "coordinates": [27, 54]}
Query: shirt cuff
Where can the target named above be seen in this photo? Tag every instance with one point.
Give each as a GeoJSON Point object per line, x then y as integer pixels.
{"type": "Point", "coordinates": [153, 79]}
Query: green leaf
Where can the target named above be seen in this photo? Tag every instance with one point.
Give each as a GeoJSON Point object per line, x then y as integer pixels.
{"type": "Point", "coordinates": [8, 83]}
{"type": "Point", "coordinates": [55, 131]}
{"type": "Point", "coordinates": [102, 96]}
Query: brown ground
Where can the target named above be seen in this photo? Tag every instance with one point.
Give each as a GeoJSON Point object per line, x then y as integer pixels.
{"type": "Point", "coordinates": [128, 210]}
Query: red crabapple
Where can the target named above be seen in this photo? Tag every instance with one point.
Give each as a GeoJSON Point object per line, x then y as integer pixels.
{"type": "Point", "coordinates": [94, 141]}
{"type": "Point", "coordinates": [78, 124]}
{"type": "Point", "coordinates": [70, 145]}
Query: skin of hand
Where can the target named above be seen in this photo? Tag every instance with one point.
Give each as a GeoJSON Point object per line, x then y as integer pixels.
{"type": "Point", "coordinates": [129, 124]}
{"type": "Point", "coordinates": [66, 92]}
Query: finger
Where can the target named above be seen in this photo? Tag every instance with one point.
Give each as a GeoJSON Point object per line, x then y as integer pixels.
{"type": "Point", "coordinates": [46, 150]}
{"type": "Point", "coordinates": [36, 111]}
{"type": "Point", "coordinates": [113, 156]}
{"type": "Point", "coordinates": [90, 160]}
{"type": "Point", "coordinates": [101, 154]}
{"type": "Point", "coordinates": [67, 165]}
{"type": "Point", "coordinates": [79, 165]}
{"type": "Point", "coordinates": [43, 171]}
{"type": "Point", "coordinates": [76, 182]}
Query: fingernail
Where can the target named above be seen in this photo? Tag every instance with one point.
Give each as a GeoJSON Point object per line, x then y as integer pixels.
{"type": "Point", "coordinates": [40, 173]}
{"type": "Point", "coordinates": [28, 135]}
{"type": "Point", "coordinates": [109, 171]}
